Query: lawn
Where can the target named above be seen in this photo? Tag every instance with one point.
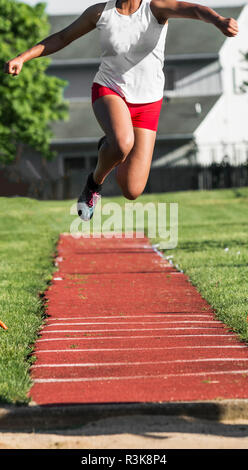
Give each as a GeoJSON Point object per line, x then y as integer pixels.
{"type": "Point", "coordinates": [212, 250]}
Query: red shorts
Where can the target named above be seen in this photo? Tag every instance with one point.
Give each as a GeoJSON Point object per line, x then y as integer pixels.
{"type": "Point", "coordinates": [144, 115]}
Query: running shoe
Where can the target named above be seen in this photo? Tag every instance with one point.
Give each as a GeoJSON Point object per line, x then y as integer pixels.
{"type": "Point", "coordinates": [88, 199]}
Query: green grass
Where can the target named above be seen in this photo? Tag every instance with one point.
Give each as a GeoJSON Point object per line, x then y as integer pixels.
{"type": "Point", "coordinates": [209, 222]}
{"type": "Point", "coordinates": [213, 251]}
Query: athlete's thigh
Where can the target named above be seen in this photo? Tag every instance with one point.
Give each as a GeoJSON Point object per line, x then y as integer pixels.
{"type": "Point", "coordinates": [132, 174]}
{"type": "Point", "coordinates": [114, 117]}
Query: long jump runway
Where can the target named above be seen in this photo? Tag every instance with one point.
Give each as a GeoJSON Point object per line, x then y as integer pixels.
{"type": "Point", "coordinates": [124, 325]}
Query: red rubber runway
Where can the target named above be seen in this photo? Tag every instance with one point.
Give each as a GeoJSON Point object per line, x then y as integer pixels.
{"type": "Point", "coordinates": [124, 325]}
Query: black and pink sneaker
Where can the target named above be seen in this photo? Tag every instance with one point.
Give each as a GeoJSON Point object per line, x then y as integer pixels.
{"type": "Point", "coordinates": [88, 199]}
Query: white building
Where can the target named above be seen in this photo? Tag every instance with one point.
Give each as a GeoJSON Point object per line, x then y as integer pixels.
{"type": "Point", "coordinates": [223, 129]}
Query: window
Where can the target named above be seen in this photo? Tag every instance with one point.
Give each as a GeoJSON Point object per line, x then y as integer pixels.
{"type": "Point", "coordinates": [74, 163]}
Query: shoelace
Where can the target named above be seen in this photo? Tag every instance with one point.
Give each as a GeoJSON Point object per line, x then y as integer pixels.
{"type": "Point", "coordinates": [94, 196]}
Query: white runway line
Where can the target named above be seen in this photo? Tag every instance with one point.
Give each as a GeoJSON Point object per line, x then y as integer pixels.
{"type": "Point", "coordinates": [232, 335]}
{"type": "Point", "coordinates": [129, 316]}
{"type": "Point", "coordinates": [136, 349]}
{"type": "Point", "coordinates": [104, 364]}
{"type": "Point", "coordinates": [130, 322]}
{"type": "Point", "coordinates": [132, 329]}
{"type": "Point", "coordinates": [156, 315]}
{"type": "Point", "coordinates": [161, 376]}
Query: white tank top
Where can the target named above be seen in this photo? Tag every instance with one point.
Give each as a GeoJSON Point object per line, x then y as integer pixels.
{"type": "Point", "coordinates": [132, 56]}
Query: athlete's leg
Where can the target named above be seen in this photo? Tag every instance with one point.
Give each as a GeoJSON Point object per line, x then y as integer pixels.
{"type": "Point", "coordinates": [114, 118]}
{"type": "Point", "coordinates": [132, 174]}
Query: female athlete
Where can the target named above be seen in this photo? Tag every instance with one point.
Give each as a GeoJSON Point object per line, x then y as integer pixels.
{"type": "Point", "coordinates": [127, 90]}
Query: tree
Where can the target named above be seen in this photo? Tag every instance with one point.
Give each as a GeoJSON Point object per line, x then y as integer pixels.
{"type": "Point", "coordinates": [29, 102]}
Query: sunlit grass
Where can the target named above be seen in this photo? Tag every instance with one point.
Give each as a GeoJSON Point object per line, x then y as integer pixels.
{"type": "Point", "coordinates": [212, 250]}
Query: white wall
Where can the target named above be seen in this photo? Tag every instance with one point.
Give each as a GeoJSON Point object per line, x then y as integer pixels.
{"type": "Point", "coordinates": [226, 126]}
{"type": "Point", "coordinates": [204, 81]}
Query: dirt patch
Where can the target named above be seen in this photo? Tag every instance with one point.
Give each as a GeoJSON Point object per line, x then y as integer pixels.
{"type": "Point", "coordinates": [137, 432]}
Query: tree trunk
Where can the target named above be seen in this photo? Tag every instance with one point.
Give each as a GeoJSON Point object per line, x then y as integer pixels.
{"type": "Point", "coordinates": [19, 150]}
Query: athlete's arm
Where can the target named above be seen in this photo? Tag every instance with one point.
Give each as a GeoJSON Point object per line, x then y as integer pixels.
{"type": "Point", "coordinates": [82, 25]}
{"type": "Point", "coordinates": [174, 9]}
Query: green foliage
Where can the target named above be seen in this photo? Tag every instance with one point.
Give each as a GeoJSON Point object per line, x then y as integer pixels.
{"type": "Point", "coordinates": [32, 99]}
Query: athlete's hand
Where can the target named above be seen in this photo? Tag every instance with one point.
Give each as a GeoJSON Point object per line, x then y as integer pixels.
{"type": "Point", "coordinates": [13, 66]}
{"type": "Point", "coordinates": [228, 26]}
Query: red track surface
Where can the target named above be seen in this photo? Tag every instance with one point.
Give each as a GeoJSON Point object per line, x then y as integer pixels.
{"type": "Point", "coordinates": [125, 326]}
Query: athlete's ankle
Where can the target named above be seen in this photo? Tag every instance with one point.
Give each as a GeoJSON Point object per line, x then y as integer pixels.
{"type": "Point", "coordinates": [92, 184]}
{"type": "Point", "coordinates": [97, 180]}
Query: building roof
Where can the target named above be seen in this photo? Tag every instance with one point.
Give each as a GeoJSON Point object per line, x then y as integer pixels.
{"type": "Point", "coordinates": [81, 124]}
{"type": "Point", "coordinates": [85, 47]}
{"type": "Point", "coordinates": [178, 119]}
{"type": "Point", "coordinates": [185, 36]}
{"type": "Point", "coordinates": [179, 116]}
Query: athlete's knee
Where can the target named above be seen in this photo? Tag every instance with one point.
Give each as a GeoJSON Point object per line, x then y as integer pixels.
{"type": "Point", "coordinates": [132, 194]}
{"type": "Point", "coordinates": [122, 146]}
